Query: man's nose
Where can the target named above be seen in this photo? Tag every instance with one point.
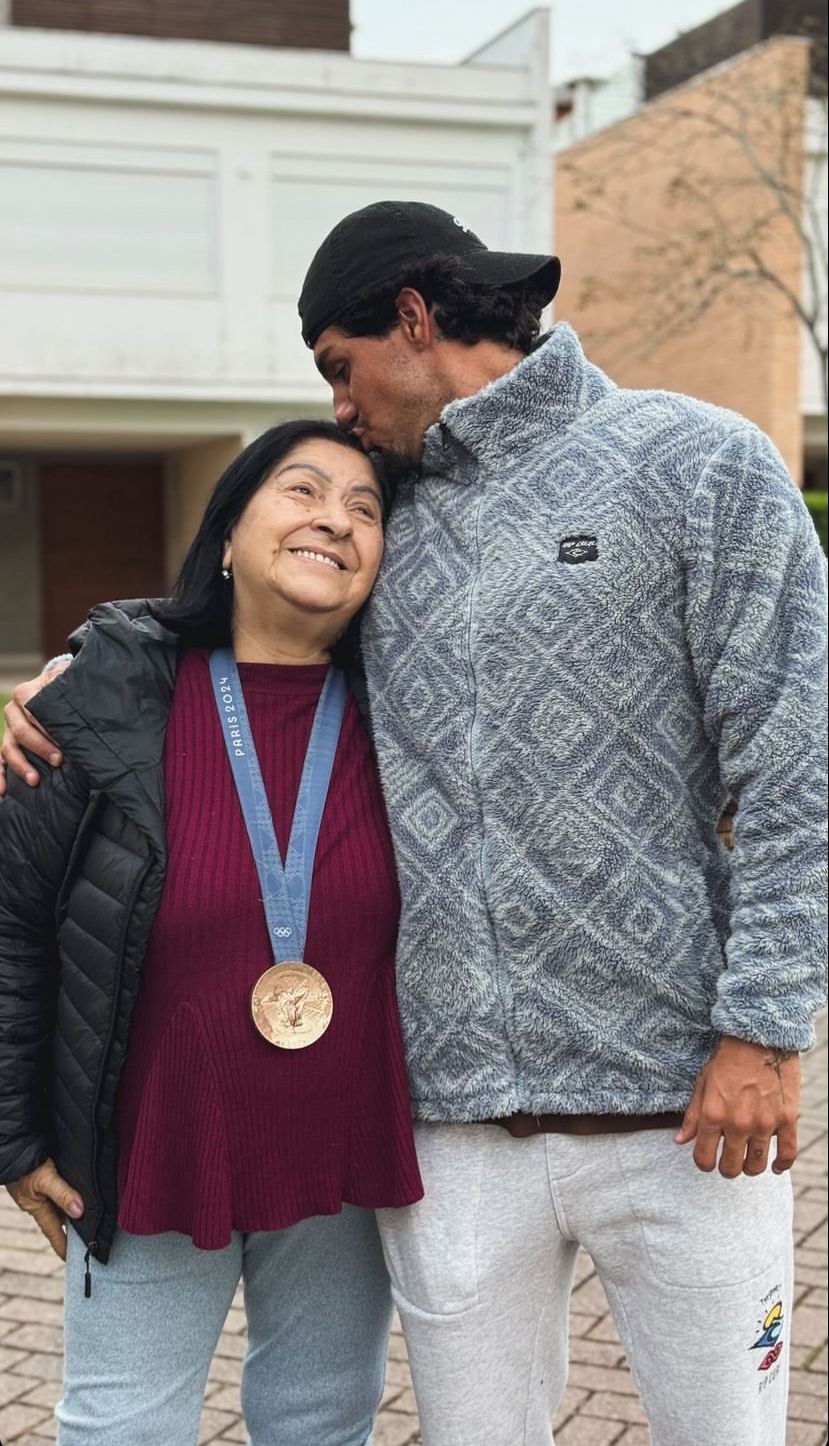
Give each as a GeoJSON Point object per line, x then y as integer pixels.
{"type": "Point", "coordinates": [345, 412]}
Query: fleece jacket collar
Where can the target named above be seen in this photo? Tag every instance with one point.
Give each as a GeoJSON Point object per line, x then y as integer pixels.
{"type": "Point", "coordinates": [539, 398]}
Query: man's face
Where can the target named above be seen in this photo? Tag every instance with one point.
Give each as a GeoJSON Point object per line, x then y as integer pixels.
{"type": "Point", "coordinates": [385, 391]}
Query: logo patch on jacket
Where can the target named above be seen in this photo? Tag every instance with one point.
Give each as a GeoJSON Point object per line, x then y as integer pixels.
{"type": "Point", "coordinates": [583, 548]}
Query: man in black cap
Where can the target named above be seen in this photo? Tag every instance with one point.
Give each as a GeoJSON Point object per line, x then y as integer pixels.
{"type": "Point", "coordinates": [597, 619]}
{"type": "Point", "coordinates": [599, 616]}
{"type": "Point", "coordinates": [489, 301]}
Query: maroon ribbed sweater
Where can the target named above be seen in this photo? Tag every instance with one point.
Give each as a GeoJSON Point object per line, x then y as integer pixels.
{"type": "Point", "coordinates": [219, 1130]}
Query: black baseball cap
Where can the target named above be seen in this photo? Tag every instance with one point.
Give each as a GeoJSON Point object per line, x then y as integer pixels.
{"type": "Point", "coordinates": [371, 246]}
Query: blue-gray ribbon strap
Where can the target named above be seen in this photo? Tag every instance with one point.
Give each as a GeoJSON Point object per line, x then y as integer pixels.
{"type": "Point", "coordinates": [286, 890]}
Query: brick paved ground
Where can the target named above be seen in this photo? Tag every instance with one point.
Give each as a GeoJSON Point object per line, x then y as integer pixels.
{"type": "Point", "coordinates": [600, 1407]}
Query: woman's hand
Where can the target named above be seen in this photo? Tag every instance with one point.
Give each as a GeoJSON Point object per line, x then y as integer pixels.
{"type": "Point", "coordinates": [24, 731]}
{"type": "Point", "coordinates": [47, 1197]}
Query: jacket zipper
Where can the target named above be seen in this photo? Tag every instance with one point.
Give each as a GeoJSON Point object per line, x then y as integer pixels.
{"type": "Point", "coordinates": [92, 1247]}
{"type": "Point", "coordinates": [81, 840]}
{"type": "Point", "coordinates": [476, 784]}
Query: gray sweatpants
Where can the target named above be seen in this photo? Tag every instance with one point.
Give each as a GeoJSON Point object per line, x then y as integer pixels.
{"type": "Point", "coordinates": [697, 1271]}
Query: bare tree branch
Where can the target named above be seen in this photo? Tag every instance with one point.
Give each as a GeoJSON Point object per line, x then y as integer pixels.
{"type": "Point", "coordinates": [735, 168]}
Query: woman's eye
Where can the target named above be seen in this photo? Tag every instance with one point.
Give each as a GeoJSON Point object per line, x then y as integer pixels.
{"type": "Point", "coordinates": [303, 488]}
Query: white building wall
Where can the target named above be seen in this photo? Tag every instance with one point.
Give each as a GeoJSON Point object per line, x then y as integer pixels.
{"type": "Point", "coordinates": [597, 102]}
{"type": "Point", "coordinates": [162, 199]}
{"type": "Point", "coordinates": [159, 204]}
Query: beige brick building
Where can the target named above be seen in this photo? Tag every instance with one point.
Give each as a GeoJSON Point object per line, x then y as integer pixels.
{"type": "Point", "coordinates": [684, 234]}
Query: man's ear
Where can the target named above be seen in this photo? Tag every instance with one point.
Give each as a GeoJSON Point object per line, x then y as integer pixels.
{"type": "Point", "coordinates": [415, 317]}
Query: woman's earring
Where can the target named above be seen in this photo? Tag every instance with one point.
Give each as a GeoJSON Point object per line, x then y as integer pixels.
{"type": "Point", "coordinates": [227, 574]}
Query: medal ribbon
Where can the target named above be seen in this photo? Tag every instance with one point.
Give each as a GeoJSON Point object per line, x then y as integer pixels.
{"type": "Point", "coordinates": [286, 890]}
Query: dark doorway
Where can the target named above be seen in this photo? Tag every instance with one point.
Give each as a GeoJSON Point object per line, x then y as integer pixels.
{"type": "Point", "coordinates": [101, 537]}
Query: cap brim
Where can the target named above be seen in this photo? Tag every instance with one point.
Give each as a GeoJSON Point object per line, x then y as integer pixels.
{"type": "Point", "coordinates": [507, 268]}
{"type": "Point", "coordinates": [491, 268]}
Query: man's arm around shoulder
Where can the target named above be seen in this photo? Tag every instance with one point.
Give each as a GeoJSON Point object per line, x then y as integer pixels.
{"type": "Point", "coordinates": [23, 732]}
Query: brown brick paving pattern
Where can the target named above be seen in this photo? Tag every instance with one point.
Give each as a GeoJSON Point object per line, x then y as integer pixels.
{"type": "Point", "coordinates": [600, 1408]}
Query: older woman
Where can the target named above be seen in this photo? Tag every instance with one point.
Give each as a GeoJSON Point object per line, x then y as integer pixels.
{"type": "Point", "coordinates": [200, 1061]}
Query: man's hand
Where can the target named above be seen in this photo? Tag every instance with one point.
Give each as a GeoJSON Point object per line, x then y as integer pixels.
{"type": "Point", "coordinates": [745, 1095]}
{"type": "Point", "coordinates": [725, 825]}
{"type": "Point", "coordinates": [23, 731]}
{"type": "Point", "coordinates": [47, 1197]}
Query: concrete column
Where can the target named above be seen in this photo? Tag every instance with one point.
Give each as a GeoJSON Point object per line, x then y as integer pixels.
{"type": "Point", "coordinates": [191, 476]}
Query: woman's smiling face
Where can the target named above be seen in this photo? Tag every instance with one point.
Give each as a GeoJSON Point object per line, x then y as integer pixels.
{"type": "Point", "coordinates": [311, 538]}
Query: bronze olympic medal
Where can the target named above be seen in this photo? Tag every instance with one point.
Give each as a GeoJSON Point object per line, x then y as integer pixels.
{"type": "Point", "coordinates": [291, 1005]}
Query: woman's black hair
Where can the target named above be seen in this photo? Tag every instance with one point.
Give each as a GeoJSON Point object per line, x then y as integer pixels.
{"type": "Point", "coordinates": [200, 608]}
{"type": "Point", "coordinates": [465, 310]}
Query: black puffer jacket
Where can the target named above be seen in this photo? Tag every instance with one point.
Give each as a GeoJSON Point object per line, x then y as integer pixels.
{"type": "Point", "coordinates": [82, 862]}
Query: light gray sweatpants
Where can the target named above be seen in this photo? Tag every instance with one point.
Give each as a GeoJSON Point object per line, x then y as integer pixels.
{"type": "Point", "coordinates": [697, 1271]}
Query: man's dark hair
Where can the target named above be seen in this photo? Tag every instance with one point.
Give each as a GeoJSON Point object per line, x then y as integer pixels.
{"type": "Point", "coordinates": [200, 609]}
{"type": "Point", "coordinates": [466, 311]}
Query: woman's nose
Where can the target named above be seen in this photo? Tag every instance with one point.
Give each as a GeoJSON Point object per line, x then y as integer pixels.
{"type": "Point", "coordinates": [335, 521]}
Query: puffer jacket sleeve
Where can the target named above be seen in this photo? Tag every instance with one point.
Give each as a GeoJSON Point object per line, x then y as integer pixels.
{"type": "Point", "coordinates": [38, 828]}
{"type": "Point", "coordinates": [756, 629]}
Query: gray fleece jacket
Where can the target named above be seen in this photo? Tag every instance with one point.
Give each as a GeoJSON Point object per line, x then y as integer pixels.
{"type": "Point", "coordinates": [601, 611]}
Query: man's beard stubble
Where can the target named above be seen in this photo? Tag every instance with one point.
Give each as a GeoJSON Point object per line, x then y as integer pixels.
{"type": "Point", "coordinates": [395, 470]}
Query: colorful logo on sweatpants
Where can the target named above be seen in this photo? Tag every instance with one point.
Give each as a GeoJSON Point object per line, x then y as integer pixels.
{"type": "Point", "coordinates": [771, 1338]}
